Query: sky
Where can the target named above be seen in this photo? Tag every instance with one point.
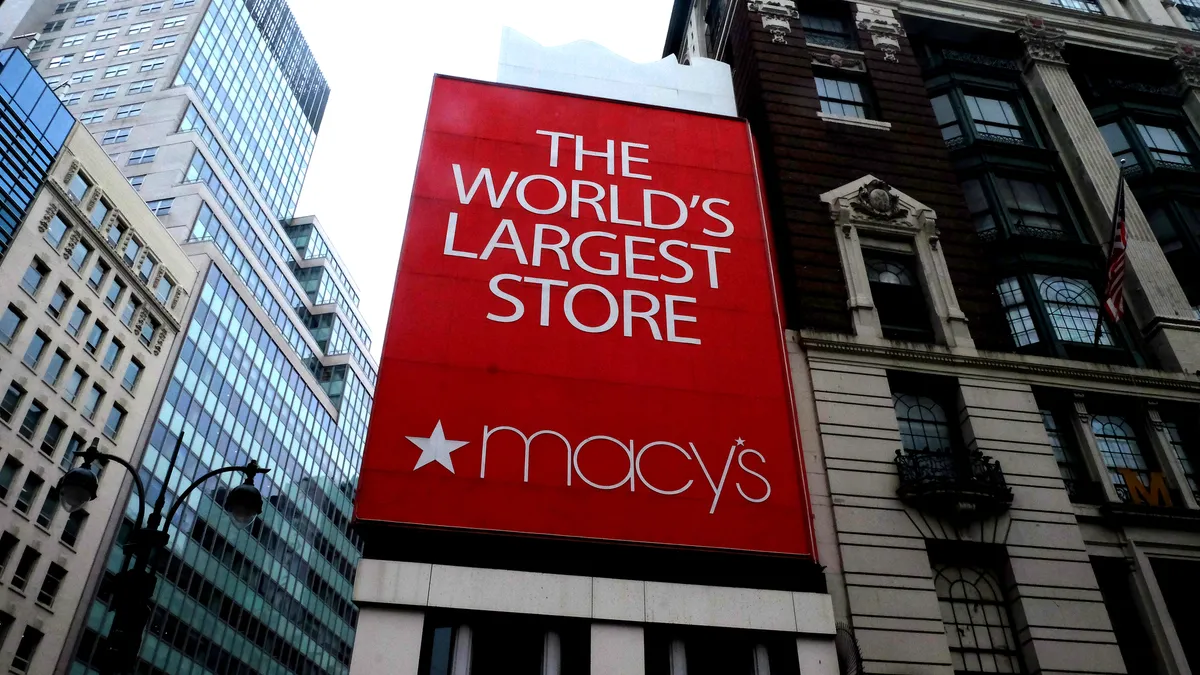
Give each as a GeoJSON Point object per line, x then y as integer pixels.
{"type": "Point", "coordinates": [379, 57]}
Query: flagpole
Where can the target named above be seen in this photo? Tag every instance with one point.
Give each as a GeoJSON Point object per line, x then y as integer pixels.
{"type": "Point", "coordinates": [1111, 244]}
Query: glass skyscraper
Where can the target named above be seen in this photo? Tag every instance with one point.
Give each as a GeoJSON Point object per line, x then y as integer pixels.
{"type": "Point", "coordinates": [33, 127]}
{"type": "Point", "coordinates": [211, 108]}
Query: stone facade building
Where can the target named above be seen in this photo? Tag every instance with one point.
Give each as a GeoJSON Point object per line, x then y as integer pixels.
{"type": "Point", "coordinates": [95, 294]}
{"type": "Point", "coordinates": [998, 484]}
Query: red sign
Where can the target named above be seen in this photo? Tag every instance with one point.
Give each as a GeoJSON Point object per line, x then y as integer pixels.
{"type": "Point", "coordinates": [585, 337]}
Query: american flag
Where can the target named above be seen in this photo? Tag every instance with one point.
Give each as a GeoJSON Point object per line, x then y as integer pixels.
{"type": "Point", "coordinates": [1114, 296]}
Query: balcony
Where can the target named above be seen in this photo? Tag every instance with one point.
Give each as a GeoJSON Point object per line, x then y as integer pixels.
{"type": "Point", "coordinates": [957, 486]}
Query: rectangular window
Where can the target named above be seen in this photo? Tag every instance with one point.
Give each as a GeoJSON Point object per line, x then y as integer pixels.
{"type": "Point", "coordinates": [841, 97]}
{"type": "Point", "coordinates": [58, 302]}
{"type": "Point", "coordinates": [130, 311]}
{"type": "Point", "coordinates": [40, 46]}
{"type": "Point", "coordinates": [10, 324]}
{"type": "Point", "coordinates": [53, 437]}
{"type": "Point", "coordinates": [136, 181]}
{"type": "Point", "coordinates": [947, 120]}
{"type": "Point", "coordinates": [163, 290]}
{"type": "Point", "coordinates": [78, 318]}
{"type": "Point", "coordinates": [55, 231]}
{"type": "Point", "coordinates": [151, 65]}
{"type": "Point", "coordinates": [146, 270]}
{"type": "Point", "coordinates": [115, 232]}
{"type": "Point", "coordinates": [64, 7]}
{"type": "Point", "coordinates": [73, 385]}
{"type": "Point", "coordinates": [8, 472]}
{"type": "Point", "coordinates": [33, 419]}
{"type": "Point", "coordinates": [130, 110]}
{"type": "Point", "coordinates": [160, 207]}
{"type": "Point", "coordinates": [92, 116]}
{"type": "Point", "coordinates": [116, 418]}
{"type": "Point", "coordinates": [143, 27]}
{"type": "Point", "coordinates": [95, 337]}
{"type": "Point", "coordinates": [37, 347]}
{"type": "Point", "coordinates": [112, 355]}
{"type": "Point", "coordinates": [92, 401]}
{"type": "Point", "coordinates": [104, 93]}
{"type": "Point", "coordinates": [1165, 145]}
{"type": "Point", "coordinates": [53, 26]}
{"type": "Point", "coordinates": [95, 3]}
{"type": "Point", "coordinates": [81, 76]}
{"type": "Point", "coordinates": [79, 186]}
{"type": "Point", "coordinates": [29, 492]}
{"type": "Point", "coordinates": [106, 34]}
{"type": "Point", "coordinates": [149, 329]}
{"type": "Point", "coordinates": [113, 136]}
{"type": "Point", "coordinates": [1073, 309]}
{"type": "Point", "coordinates": [898, 298]}
{"type": "Point", "coordinates": [129, 48]}
{"type": "Point", "coordinates": [1118, 144]}
{"type": "Point", "coordinates": [50, 584]}
{"type": "Point", "coordinates": [117, 70]}
{"type": "Point", "coordinates": [1088, 6]}
{"type": "Point", "coordinates": [1032, 207]}
{"type": "Point", "coordinates": [79, 256]}
{"type": "Point", "coordinates": [827, 31]}
{"type": "Point", "coordinates": [993, 117]}
{"type": "Point", "coordinates": [8, 543]}
{"type": "Point", "coordinates": [1016, 310]}
{"type": "Point", "coordinates": [99, 272]}
{"type": "Point", "coordinates": [69, 99]}
{"type": "Point", "coordinates": [143, 156]}
{"type": "Point", "coordinates": [183, 3]}
{"type": "Point", "coordinates": [34, 277]}
{"type": "Point", "coordinates": [117, 15]}
{"type": "Point", "coordinates": [26, 648]}
{"type": "Point", "coordinates": [113, 296]}
{"type": "Point", "coordinates": [99, 213]}
{"type": "Point", "coordinates": [74, 447]}
{"type": "Point", "coordinates": [174, 22]}
{"type": "Point", "coordinates": [54, 369]}
{"type": "Point", "coordinates": [150, 7]}
{"type": "Point", "coordinates": [73, 528]}
{"type": "Point", "coordinates": [11, 401]}
{"type": "Point", "coordinates": [141, 87]}
{"type": "Point", "coordinates": [133, 374]}
{"type": "Point", "coordinates": [92, 55]}
{"type": "Point", "coordinates": [85, 20]}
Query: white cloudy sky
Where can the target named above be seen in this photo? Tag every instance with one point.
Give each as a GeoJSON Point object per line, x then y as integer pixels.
{"type": "Point", "coordinates": [380, 57]}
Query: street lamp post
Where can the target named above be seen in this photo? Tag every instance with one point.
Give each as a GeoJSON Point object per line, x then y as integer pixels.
{"type": "Point", "coordinates": [147, 543]}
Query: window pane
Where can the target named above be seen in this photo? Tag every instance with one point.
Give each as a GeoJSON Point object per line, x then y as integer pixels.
{"type": "Point", "coordinates": [1073, 309]}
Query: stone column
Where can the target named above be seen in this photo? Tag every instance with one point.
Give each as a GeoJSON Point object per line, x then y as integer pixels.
{"type": "Point", "coordinates": [387, 642]}
{"type": "Point", "coordinates": [618, 649]}
{"type": "Point", "coordinates": [1081, 423]}
{"type": "Point", "coordinates": [817, 655]}
{"type": "Point", "coordinates": [1167, 459]}
{"type": "Point", "coordinates": [1155, 298]}
{"type": "Point", "coordinates": [1175, 15]}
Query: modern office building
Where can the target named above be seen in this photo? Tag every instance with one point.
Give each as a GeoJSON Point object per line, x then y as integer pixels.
{"type": "Point", "coordinates": [211, 109]}
{"type": "Point", "coordinates": [1000, 483]}
{"type": "Point", "coordinates": [96, 300]}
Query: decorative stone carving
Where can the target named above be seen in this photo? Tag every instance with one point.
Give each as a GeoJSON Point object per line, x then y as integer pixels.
{"type": "Point", "coordinates": [177, 297]}
{"type": "Point", "coordinates": [44, 223]}
{"type": "Point", "coordinates": [1042, 41]}
{"type": "Point", "coordinates": [140, 320]}
{"type": "Point", "coordinates": [838, 60]}
{"type": "Point", "coordinates": [1187, 60]}
{"type": "Point", "coordinates": [980, 59]}
{"type": "Point", "coordinates": [71, 242]}
{"type": "Point", "coordinates": [877, 201]}
{"type": "Point", "coordinates": [158, 342]}
{"type": "Point", "coordinates": [70, 172]}
{"type": "Point", "coordinates": [91, 203]}
{"type": "Point", "coordinates": [883, 26]}
{"type": "Point", "coordinates": [786, 8]}
{"type": "Point", "coordinates": [157, 277]}
{"type": "Point", "coordinates": [780, 28]}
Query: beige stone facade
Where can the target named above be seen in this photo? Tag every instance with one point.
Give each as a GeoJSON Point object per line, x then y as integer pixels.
{"type": "Point", "coordinates": [98, 289]}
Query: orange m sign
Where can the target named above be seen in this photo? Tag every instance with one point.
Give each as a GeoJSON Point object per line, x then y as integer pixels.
{"type": "Point", "coordinates": [1155, 494]}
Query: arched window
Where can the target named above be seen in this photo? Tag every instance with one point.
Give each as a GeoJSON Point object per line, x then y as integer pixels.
{"type": "Point", "coordinates": [1119, 447]}
{"type": "Point", "coordinates": [888, 272]}
{"type": "Point", "coordinates": [923, 423]}
{"type": "Point", "coordinates": [976, 619]}
{"type": "Point", "coordinates": [1073, 309]}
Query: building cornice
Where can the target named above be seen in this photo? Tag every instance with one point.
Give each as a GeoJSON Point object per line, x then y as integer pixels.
{"type": "Point", "coordinates": [1098, 376]}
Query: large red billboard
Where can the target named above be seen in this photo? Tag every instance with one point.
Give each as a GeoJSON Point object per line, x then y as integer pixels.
{"type": "Point", "coordinates": [585, 337]}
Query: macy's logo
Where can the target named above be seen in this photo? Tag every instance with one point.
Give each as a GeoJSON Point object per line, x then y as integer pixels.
{"type": "Point", "coordinates": [436, 448]}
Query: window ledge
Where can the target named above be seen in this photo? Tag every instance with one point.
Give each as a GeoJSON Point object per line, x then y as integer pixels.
{"type": "Point", "coordinates": [837, 50]}
{"type": "Point", "coordinates": [855, 121]}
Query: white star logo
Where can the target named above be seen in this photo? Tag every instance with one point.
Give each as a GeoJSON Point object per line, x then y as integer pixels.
{"type": "Point", "coordinates": [740, 441]}
{"type": "Point", "coordinates": [436, 448]}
